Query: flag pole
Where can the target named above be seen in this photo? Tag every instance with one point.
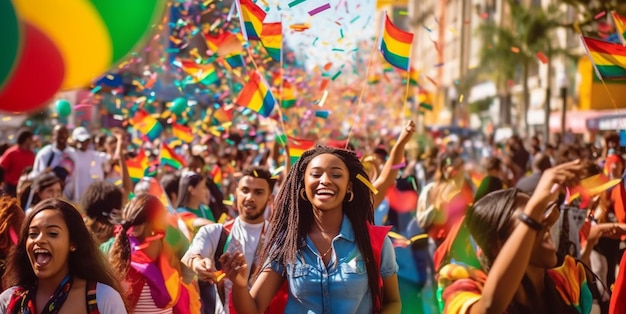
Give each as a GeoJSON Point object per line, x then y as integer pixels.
{"type": "Point", "coordinates": [367, 73]}
{"type": "Point", "coordinates": [606, 88]}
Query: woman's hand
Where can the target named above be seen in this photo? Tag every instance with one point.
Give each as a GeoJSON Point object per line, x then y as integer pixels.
{"type": "Point", "coordinates": [407, 132]}
{"type": "Point", "coordinates": [235, 268]}
{"type": "Point", "coordinates": [567, 174]}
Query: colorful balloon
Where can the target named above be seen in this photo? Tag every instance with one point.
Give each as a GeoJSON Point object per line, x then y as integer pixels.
{"type": "Point", "coordinates": [64, 108]}
{"type": "Point", "coordinates": [82, 38]}
{"type": "Point", "coordinates": [179, 105]}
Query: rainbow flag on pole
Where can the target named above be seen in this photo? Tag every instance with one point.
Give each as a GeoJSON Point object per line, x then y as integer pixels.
{"type": "Point", "coordinates": [272, 39]}
{"type": "Point", "coordinates": [289, 95]}
{"type": "Point", "coordinates": [620, 25]}
{"type": "Point", "coordinates": [395, 45]}
{"type": "Point", "coordinates": [297, 147]}
{"type": "Point", "coordinates": [251, 16]}
{"type": "Point", "coordinates": [146, 124]}
{"type": "Point", "coordinates": [137, 166]}
{"type": "Point", "coordinates": [169, 158]}
{"type": "Point", "coordinates": [608, 59]}
{"type": "Point", "coordinates": [198, 73]}
{"type": "Point", "coordinates": [257, 96]}
{"type": "Point", "coordinates": [182, 132]}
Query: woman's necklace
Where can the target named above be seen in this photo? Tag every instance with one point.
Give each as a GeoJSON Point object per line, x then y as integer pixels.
{"type": "Point", "coordinates": [327, 251]}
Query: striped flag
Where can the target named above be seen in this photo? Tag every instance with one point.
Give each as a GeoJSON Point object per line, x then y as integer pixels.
{"type": "Point", "coordinates": [297, 147]}
{"type": "Point", "coordinates": [137, 166]}
{"type": "Point", "coordinates": [609, 59]}
{"type": "Point", "coordinates": [146, 124]}
{"type": "Point", "coordinates": [272, 39]}
{"type": "Point", "coordinates": [182, 132]}
{"type": "Point", "coordinates": [395, 45]}
{"type": "Point", "coordinates": [251, 16]}
{"type": "Point", "coordinates": [169, 158]}
{"type": "Point", "coordinates": [257, 96]}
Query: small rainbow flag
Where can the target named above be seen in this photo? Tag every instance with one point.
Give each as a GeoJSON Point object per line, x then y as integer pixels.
{"type": "Point", "coordinates": [170, 158]}
{"type": "Point", "coordinates": [224, 43]}
{"type": "Point", "coordinates": [272, 39]}
{"type": "Point", "coordinates": [146, 124]}
{"type": "Point", "coordinates": [182, 132]}
{"type": "Point", "coordinates": [257, 96]}
{"type": "Point", "coordinates": [199, 73]}
{"type": "Point", "coordinates": [289, 95]}
{"type": "Point", "coordinates": [252, 17]}
{"type": "Point", "coordinates": [425, 100]}
{"type": "Point", "coordinates": [297, 147]}
{"type": "Point", "coordinates": [222, 115]}
{"type": "Point", "coordinates": [373, 79]}
{"type": "Point", "coordinates": [216, 174]}
{"type": "Point", "coordinates": [609, 59]}
{"type": "Point", "coordinates": [620, 25]}
{"type": "Point", "coordinates": [592, 186]}
{"type": "Point", "coordinates": [137, 166]}
{"type": "Point", "coordinates": [395, 45]}
{"type": "Point", "coordinates": [234, 60]}
{"type": "Point", "coordinates": [413, 76]}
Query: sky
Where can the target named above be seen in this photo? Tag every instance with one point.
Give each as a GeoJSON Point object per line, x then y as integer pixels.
{"type": "Point", "coordinates": [333, 33]}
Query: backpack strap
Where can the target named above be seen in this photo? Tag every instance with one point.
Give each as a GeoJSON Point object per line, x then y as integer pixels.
{"type": "Point", "coordinates": [92, 301]}
{"type": "Point", "coordinates": [51, 158]}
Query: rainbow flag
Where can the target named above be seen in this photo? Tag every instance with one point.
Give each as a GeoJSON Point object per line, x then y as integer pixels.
{"type": "Point", "coordinates": [373, 79]}
{"type": "Point", "coordinates": [251, 16]}
{"type": "Point", "coordinates": [591, 187]}
{"type": "Point", "coordinates": [412, 75]}
{"type": "Point", "coordinates": [289, 95]}
{"type": "Point", "coordinates": [199, 73]}
{"type": "Point", "coordinates": [620, 25]}
{"type": "Point", "coordinates": [609, 59]}
{"type": "Point", "coordinates": [234, 60]}
{"type": "Point", "coordinates": [222, 115]}
{"type": "Point", "coordinates": [272, 39]}
{"type": "Point", "coordinates": [182, 132]}
{"type": "Point", "coordinates": [425, 100]}
{"type": "Point", "coordinates": [395, 45]}
{"type": "Point", "coordinates": [169, 158]}
{"type": "Point", "coordinates": [216, 174]}
{"type": "Point", "coordinates": [137, 166]}
{"type": "Point", "coordinates": [146, 124]}
{"type": "Point", "coordinates": [224, 43]}
{"type": "Point", "coordinates": [257, 96]}
{"type": "Point", "coordinates": [297, 147]}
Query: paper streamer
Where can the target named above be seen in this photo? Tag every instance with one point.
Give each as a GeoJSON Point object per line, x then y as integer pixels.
{"type": "Point", "coordinates": [317, 10]}
{"type": "Point", "coordinates": [367, 183]}
{"type": "Point", "coordinates": [322, 113]}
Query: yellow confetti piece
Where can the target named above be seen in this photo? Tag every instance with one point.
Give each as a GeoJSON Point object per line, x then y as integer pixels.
{"type": "Point", "coordinates": [461, 98]}
{"type": "Point", "coordinates": [367, 183]}
{"type": "Point", "coordinates": [223, 218]}
{"type": "Point", "coordinates": [256, 175]}
{"type": "Point", "coordinates": [228, 202]}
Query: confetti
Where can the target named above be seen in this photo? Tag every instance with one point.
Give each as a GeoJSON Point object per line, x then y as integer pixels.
{"type": "Point", "coordinates": [336, 75]}
{"type": "Point", "coordinates": [438, 65]}
{"type": "Point", "coordinates": [515, 49]}
{"type": "Point", "coordinates": [461, 98]}
{"type": "Point", "coordinates": [341, 32]}
{"type": "Point", "coordinates": [542, 57]}
{"type": "Point", "coordinates": [427, 28]}
{"type": "Point", "coordinates": [599, 15]}
{"type": "Point", "coordinates": [367, 183]}
{"type": "Point", "coordinates": [322, 113]}
{"type": "Point", "coordinates": [432, 81]}
{"type": "Point", "coordinates": [315, 41]}
{"type": "Point", "coordinates": [398, 166]}
{"type": "Point", "coordinates": [355, 19]}
{"type": "Point", "coordinates": [323, 100]}
{"type": "Point", "coordinates": [96, 89]}
{"type": "Point", "coordinates": [295, 3]}
{"type": "Point", "coordinates": [319, 9]}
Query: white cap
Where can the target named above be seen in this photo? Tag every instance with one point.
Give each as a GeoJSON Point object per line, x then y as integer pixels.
{"type": "Point", "coordinates": [80, 134]}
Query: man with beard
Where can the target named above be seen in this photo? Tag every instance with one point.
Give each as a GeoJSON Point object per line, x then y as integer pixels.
{"type": "Point", "coordinates": [245, 233]}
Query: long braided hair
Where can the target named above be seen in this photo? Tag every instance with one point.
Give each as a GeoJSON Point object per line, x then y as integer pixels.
{"type": "Point", "coordinates": [292, 216]}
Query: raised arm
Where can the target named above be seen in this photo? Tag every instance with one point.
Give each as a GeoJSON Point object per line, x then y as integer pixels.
{"type": "Point", "coordinates": [257, 299]}
{"type": "Point", "coordinates": [507, 271]}
{"type": "Point", "coordinates": [389, 173]}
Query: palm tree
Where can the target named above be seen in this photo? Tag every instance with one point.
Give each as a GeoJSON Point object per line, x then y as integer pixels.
{"type": "Point", "coordinates": [513, 47]}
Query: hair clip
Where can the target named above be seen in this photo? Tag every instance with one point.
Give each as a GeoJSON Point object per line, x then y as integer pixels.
{"type": "Point", "coordinates": [367, 183]}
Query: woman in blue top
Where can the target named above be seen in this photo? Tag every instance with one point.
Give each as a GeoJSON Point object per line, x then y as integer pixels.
{"type": "Point", "coordinates": [321, 244]}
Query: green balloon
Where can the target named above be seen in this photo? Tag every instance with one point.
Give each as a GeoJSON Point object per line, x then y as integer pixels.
{"type": "Point", "coordinates": [10, 40]}
{"type": "Point", "coordinates": [129, 22]}
{"type": "Point", "coordinates": [179, 105]}
{"type": "Point", "coordinates": [64, 108]}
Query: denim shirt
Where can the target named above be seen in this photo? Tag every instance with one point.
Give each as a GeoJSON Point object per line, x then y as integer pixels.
{"type": "Point", "coordinates": [342, 286]}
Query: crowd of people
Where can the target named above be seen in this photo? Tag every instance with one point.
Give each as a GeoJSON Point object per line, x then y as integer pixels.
{"type": "Point", "coordinates": [370, 228]}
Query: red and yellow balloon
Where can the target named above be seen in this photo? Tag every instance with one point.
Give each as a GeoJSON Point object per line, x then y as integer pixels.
{"type": "Point", "coordinates": [53, 45]}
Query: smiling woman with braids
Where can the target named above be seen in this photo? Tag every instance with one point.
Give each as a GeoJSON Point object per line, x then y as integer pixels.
{"type": "Point", "coordinates": [322, 244]}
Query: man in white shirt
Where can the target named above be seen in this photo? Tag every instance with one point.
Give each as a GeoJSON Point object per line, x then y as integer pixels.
{"type": "Point", "coordinates": [89, 164]}
{"type": "Point", "coordinates": [57, 157]}
{"type": "Point", "coordinates": [254, 193]}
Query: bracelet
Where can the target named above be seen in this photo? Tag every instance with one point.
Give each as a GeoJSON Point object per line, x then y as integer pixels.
{"type": "Point", "coordinates": [531, 223]}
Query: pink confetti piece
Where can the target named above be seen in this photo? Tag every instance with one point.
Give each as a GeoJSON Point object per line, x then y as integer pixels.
{"type": "Point", "coordinates": [319, 9]}
{"type": "Point", "coordinates": [398, 166]}
{"type": "Point", "coordinates": [599, 15]}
